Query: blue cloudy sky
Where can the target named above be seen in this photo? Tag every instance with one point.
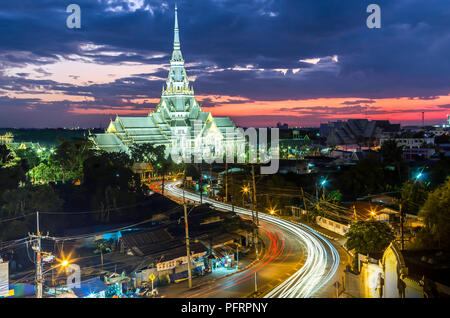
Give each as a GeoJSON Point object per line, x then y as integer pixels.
{"type": "Point", "coordinates": [259, 61]}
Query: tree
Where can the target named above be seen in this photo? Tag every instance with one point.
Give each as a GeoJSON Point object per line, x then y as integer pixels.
{"type": "Point", "coordinates": [436, 213]}
{"type": "Point", "coordinates": [110, 183]}
{"type": "Point", "coordinates": [102, 246]}
{"type": "Point", "coordinates": [369, 236]}
{"type": "Point", "coordinates": [11, 177]}
{"type": "Point", "coordinates": [414, 195]}
{"type": "Point", "coordinates": [6, 156]}
{"type": "Point", "coordinates": [26, 200]}
{"type": "Point", "coordinates": [367, 176]}
{"type": "Point", "coordinates": [70, 155]}
{"type": "Point", "coordinates": [334, 196]}
{"type": "Point", "coordinates": [29, 158]}
{"type": "Point", "coordinates": [147, 153]}
{"type": "Point", "coordinates": [156, 156]}
{"type": "Point", "coordinates": [392, 154]}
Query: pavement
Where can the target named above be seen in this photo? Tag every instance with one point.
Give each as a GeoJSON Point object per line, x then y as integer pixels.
{"type": "Point", "coordinates": [348, 286]}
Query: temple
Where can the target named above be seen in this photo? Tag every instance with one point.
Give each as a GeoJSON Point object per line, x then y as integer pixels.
{"type": "Point", "coordinates": [177, 116]}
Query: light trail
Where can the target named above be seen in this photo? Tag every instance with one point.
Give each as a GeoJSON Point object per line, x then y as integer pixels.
{"type": "Point", "coordinates": [322, 259]}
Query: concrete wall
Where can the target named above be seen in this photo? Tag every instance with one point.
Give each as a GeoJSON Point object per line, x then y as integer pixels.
{"type": "Point", "coordinates": [369, 276]}
{"type": "Point", "coordinates": [333, 226]}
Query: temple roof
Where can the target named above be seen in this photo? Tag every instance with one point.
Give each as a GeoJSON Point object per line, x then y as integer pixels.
{"type": "Point", "coordinates": [176, 108]}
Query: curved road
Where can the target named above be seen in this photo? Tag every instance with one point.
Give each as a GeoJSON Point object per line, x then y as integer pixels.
{"type": "Point", "coordinates": [297, 260]}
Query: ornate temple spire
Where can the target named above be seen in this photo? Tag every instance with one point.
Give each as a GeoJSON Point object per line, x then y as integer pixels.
{"type": "Point", "coordinates": [176, 36]}
{"type": "Point", "coordinates": [176, 55]}
{"type": "Point", "coordinates": [177, 81]}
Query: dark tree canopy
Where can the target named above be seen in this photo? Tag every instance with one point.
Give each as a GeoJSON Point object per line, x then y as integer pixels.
{"type": "Point", "coordinates": [414, 194]}
{"type": "Point", "coordinates": [369, 236]}
{"type": "Point", "coordinates": [436, 213]}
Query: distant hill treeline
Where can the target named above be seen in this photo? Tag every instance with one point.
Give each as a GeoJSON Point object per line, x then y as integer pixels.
{"type": "Point", "coordinates": [46, 136]}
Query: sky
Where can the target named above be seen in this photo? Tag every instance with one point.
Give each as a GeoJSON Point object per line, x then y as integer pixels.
{"type": "Point", "coordinates": [301, 62]}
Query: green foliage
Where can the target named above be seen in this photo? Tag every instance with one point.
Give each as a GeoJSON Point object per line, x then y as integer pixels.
{"type": "Point", "coordinates": [334, 196]}
{"type": "Point", "coordinates": [367, 176]}
{"type": "Point", "coordinates": [436, 213]}
{"type": "Point", "coordinates": [414, 195]}
{"type": "Point", "coordinates": [10, 178]}
{"type": "Point", "coordinates": [70, 155]}
{"type": "Point", "coordinates": [147, 153]}
{"type": "Point", "coordinates": [14, 230]}
{"type": "Point", "coordinates": [29, 158]}
{"type": "Point", "coordinates": [6, 156]}
{"type": "Point", "coordinates": [102, 246]}
{"type": "Point", "coordinates": [369, 236]}
{"type": "Point", "coordinates": [392, 154]}
{"type": "Point", "coordinates": [110, 182]}
{"type": "Point", "coordinates": [26, 200]}
{"type": "Point", "coordinates": [192, 171]}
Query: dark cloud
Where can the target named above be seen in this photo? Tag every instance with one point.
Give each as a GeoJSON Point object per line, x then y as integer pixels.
{"type": "Point", "coordinates": [407, 57]}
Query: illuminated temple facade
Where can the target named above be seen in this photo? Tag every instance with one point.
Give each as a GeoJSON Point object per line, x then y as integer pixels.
{"type": "Point", "coordinates": [177, 116]}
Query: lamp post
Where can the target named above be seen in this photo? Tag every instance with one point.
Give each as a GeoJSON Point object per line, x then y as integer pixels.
{"type": "Point", "coordinates": [237, 257]}
{"type": "Point", "coordinates": [188, 250]}
{"type": "Point", "coordinates": [244, 192]}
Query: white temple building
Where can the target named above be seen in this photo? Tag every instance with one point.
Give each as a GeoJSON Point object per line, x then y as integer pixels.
{"type": "Point", "coordinates": [178, 120]}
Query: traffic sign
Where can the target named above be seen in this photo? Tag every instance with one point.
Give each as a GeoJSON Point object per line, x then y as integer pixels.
{"type": "Point", "coordinates": [152, 277]}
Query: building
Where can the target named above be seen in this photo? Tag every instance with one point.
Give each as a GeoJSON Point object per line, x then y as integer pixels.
{"type": "Point", "coordinates": [410, 142]}
{"type": "Point", "coordinates": [356, 131]}
{"type": "Point", "coordinates": [178, 121]}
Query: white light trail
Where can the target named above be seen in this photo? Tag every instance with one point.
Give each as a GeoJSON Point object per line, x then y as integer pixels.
{"type": "Point", "coordinates": [314, 273]}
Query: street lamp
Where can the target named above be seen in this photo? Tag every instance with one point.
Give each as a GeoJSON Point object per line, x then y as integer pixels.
{"type": "Point", "coordinates": [322, 184]}
{"type": "Point", "coordinates": [372, 212]}
{"type": "Point", "coordinates": [244, 192]}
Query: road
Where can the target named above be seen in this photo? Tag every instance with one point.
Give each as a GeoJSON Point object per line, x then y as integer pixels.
{"type": "Point", "coordinates": [297, 260]}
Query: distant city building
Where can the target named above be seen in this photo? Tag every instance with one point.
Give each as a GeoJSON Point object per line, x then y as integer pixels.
{"type": "Point", "coordinates": [282, 126]}
{"type": "Point", "coordinates": [177, 117]}
{"type": "Point", "coordinates": [447, 124]}
{"type": "Point", "coordinates": [356, 131]}
{"type": "Point", "coordinates": [410, 142]}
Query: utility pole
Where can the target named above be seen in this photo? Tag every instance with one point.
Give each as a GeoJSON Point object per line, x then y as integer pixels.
{"type": "Point", "coordinates": [304, 202]}
{"type": "Point", "coordinates": [226, 182]}
{"type": "Point", "coordinates": [237, 257]}
{"type": "Point", "coordinates": [317, 193]}
{"type": "Point", "coordinates": [210, 192]}
{"type": "Point", "coordinates": [188, 250]}
{"type": "Point", "coordinates": [254, 195]}
{"type": "Point", "coordinates": [401, 226]}
{"type": "Point", "coordinates": [38, 259]}
{"type": "Point", "coordinates": [232, 187]}
{"type": "Point", "coordinates": [354, 212]}
{"type": "Point", "coordinates": [184, 185]}
{"type": "Point", "coordinates": [254, 208]}
{"type": "Point", "coordinates": [37, 248]}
